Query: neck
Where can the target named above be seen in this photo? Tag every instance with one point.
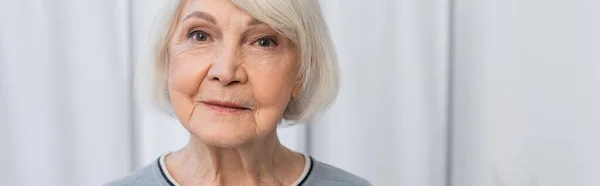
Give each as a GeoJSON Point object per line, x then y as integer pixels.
{"type": "Point", "coordinates": [261, 162]}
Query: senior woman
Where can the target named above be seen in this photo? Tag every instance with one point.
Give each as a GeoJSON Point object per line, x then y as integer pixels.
{"type": "Point", "coordinates": [231, 71]}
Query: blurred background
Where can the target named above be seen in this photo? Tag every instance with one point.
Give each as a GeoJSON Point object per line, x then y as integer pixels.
{"type": "Point", "coordinates": [433, 93]}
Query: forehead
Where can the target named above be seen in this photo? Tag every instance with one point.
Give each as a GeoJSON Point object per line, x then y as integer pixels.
{"type": "Point", "coordinates": [219, 9]}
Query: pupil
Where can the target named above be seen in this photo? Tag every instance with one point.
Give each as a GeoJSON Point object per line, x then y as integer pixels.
{"type": "Point", "coordinates": [263, 43]}
{"type": "Point", "coordinates": [200, 37]}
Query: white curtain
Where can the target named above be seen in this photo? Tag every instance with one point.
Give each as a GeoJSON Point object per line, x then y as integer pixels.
{"type": "Point", "coordinates": [526, 93]}
{"type": "Point", "coordinates": [65, 78]}
{"type": "Point", "coordinates": [389, 121]}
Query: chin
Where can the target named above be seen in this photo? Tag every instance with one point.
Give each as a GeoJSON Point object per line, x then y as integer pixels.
{"type": "Point", "coordinates": [227, 141]}
{"type": "Point", "coordinates": [227, 130]}
{"type": "Point", "coordinates": [223, 134]}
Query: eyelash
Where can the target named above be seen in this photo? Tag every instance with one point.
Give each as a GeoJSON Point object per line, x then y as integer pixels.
{"type": "Point", "coordinates": [193, 32]}
{"type": "Point", "coordinates": [272, 39]}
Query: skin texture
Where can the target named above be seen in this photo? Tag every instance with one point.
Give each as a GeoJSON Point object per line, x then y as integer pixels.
{"type": "Point", "coordinates": [223, 55]}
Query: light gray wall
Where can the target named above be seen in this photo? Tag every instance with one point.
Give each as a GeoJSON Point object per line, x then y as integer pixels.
{"type": "Point", "coordinates": [389, 122]}
{"type": "Point", "coordinates": [526, 93]}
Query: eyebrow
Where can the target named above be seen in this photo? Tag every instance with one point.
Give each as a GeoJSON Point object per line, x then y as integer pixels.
{"type": "Point", "coordinates": [211, 19]}
{"type": "Point", "coordinates": [201, 15]}
{"type": "Point", "coordinates": [255, 22]}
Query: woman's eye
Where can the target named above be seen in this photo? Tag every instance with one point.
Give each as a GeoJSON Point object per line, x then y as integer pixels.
{"type": "Point", "coordinates": [199, 36]}
{"type": "Point", "coordinates": [266, 42]}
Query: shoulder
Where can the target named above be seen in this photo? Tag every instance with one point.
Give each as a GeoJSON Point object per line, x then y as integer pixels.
{"type": "Point", "coordinates": [148, 175]}
{"type": "Point", "coordinates": [325, 174]}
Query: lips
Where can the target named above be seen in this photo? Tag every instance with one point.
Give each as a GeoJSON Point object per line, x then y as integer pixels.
{"type": "Point", "coordinates": [224, 107]}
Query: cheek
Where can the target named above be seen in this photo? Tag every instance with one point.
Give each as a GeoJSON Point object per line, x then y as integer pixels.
{"type": "Point", "coordinates": [272, 82]}
{"type": "Point", "coordinates": [273, 89]}
{"type": "Point", "coordinates": [186, 71]}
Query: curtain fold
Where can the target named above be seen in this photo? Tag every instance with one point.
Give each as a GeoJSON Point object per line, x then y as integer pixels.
{"type": "Point", "coordinates": [390, 120]}
{"type": "Point", "coordinates": [65, 92]}
{"type": "Point", "coordinates": [527, 93]}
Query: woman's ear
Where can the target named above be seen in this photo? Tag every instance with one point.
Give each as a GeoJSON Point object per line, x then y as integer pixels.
{"type": "Point", "coordinates": [296, 89]}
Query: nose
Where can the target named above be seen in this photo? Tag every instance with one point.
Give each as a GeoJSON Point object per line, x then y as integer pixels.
{"type": "Point", "coordinates": [225, 67]}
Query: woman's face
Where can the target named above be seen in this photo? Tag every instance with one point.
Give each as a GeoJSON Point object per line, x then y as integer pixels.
{"type": "Point", "coordinates": [230, 76]}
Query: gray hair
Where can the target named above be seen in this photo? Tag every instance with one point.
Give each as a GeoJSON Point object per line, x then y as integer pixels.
{"type": "Point", "coordinates": [299, 20]}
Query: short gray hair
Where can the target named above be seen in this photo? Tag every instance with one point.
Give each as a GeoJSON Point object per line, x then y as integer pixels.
{"type": "Point", "coordinates": [299, 20]}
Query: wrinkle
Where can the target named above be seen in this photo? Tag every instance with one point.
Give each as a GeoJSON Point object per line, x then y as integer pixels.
{"type": "Point", "coordinates": [189, 120]}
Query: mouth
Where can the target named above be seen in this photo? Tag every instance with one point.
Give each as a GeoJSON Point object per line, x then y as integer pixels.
{"type": "Point", "coordinates": [224, 107]}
